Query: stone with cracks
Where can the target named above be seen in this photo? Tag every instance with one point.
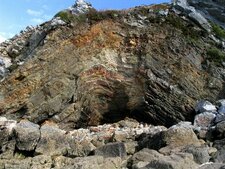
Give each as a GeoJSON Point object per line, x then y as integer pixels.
{"type": "Point", "coordinates": [204, 120]}
{"type": "Point", "coordinates": [27, 135]}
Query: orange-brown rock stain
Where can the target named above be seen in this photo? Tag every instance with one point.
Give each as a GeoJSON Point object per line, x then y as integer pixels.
{"type": "Point", "coordinates": [100, 35]}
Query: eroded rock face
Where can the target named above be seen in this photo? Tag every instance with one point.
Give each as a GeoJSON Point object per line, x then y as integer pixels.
{"type": "Point", "coordinates": [106, 70]}
{"type": "Point", "coordinates": [184, 7]}
{"type": "Point", "coordinates": [211, 9]}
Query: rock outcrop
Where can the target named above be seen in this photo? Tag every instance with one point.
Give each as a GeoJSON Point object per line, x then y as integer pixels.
{"type": "Point", "coordinates": [184, 7]}
{"type": "Point", "coordinates": [26, 144]}
{"type": "Point", "coordinates": [90, 89]}
{"type": "Point", "coordinates": [80, 7]}
{"type": "Point", "coordinates": [106, 68]}
{"type": "Point", "coordinates": [211, 9]}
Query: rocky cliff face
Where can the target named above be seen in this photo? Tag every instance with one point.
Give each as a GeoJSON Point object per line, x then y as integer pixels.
{"type": "Point", "coordinates": [108, 65]}
{"type": "Point", "coordinates": [211, 9]}
{"type": "Point", "coordinates": [86, 67]}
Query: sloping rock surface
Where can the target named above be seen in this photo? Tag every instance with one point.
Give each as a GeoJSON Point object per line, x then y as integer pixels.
{"type": "Point", "coordinates": [137, 63]}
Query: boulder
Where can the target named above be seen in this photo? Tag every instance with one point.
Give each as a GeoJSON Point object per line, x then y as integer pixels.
{"type": "Point", "coordinates": [220, 130]}
{"type": "Point", "coordinates": [116, 149]}
{"type": "Point", "coordinates": [219, 156]}
{"type": "Point", "coordinates": [177, 136]}
{"type": "Point", "coordinates": [174, 161]}
{"type": "Point", "coordinates": [200, 154]}
{"type": "Point", "coordinates": [205, 106]}
{"type": "Point", "coordinates": [219, 118]}
{"type": "Point", "coordinates": [27, 135]}
{"type": "Point", "coordinates": [54, 141]}
{"type": "Point", "coordinates": [87, 162]}
{"type": "Point", "coordinates": [143, 157]}
{"type": "Point", "coordinates": [147, 158]}
{"type": "Point", "coordinates": [204, 120]}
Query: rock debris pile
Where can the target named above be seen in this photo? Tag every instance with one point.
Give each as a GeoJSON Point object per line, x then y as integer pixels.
{"type": "Point", "coordinates": [126, 144]}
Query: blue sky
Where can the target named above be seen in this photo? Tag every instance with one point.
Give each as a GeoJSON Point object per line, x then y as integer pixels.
{"type": "Point", "coordinates": [15, 15]}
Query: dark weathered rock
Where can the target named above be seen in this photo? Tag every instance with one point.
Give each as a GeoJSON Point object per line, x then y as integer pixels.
{"type": "Point", "coordinates": [219, 156]}
{"type": "Point", "coordinates": [112, 150]}
{"type": "Point", "coordinates": [200, 154]}
{"type": "Point", "coordinates": [220, 130]}
{"type": "Point", "coordinates": [27, 135]}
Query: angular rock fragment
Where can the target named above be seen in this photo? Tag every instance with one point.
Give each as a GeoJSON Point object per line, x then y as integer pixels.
{"type": "Point", "coordinates": [27, 135]}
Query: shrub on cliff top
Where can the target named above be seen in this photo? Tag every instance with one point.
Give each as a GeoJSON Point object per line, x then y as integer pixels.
{"type": "Point", "coordinates": [215, 55]}
{"type": "Point", "coordinates": [66, 16]}
{"type": "Point", "coordinates": [219, 32]}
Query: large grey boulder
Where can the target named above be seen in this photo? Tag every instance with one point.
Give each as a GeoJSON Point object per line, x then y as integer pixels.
{"type": "Point", "coordinates": [144, 156]}
{"type": "Point", "coordinates": [150, 159]}
{"type": "Point", "coordinates": [27, 135]}
{"type": "Point", "coordinates": [174, 161]}
{"type": "Point", "coordinates": [219, 156]}
{"type": "Point", "coordinates": [53, 141]}
{"type": "Point", "coordinates": [220, 129]}
{"type": "Point", "coordinates": [205, 106]}
{"type": "Point", "coordinates": [176, 136]}
{"type": "Point", "coordinates": [200, 154]}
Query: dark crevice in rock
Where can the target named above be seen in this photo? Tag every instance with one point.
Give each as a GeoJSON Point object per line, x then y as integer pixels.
{"type": "Point", "coordinates": [21, 112]}
{"type": "Point", "coordinates": [23, 153]}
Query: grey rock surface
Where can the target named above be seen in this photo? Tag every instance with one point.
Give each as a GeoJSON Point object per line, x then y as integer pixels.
{"type": "Point", "coordinates": [27, 135]}
{"type": "Point", "coordinates": [184, 7]}
{"type": "Point", "coordinates": [210, 9]}
{"type": "Point", "coordinates": [117, 149]}
{"type": "Point", "coordinates": [200, 154]}
{"type": "Point", "coordinates": [205, 106]}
